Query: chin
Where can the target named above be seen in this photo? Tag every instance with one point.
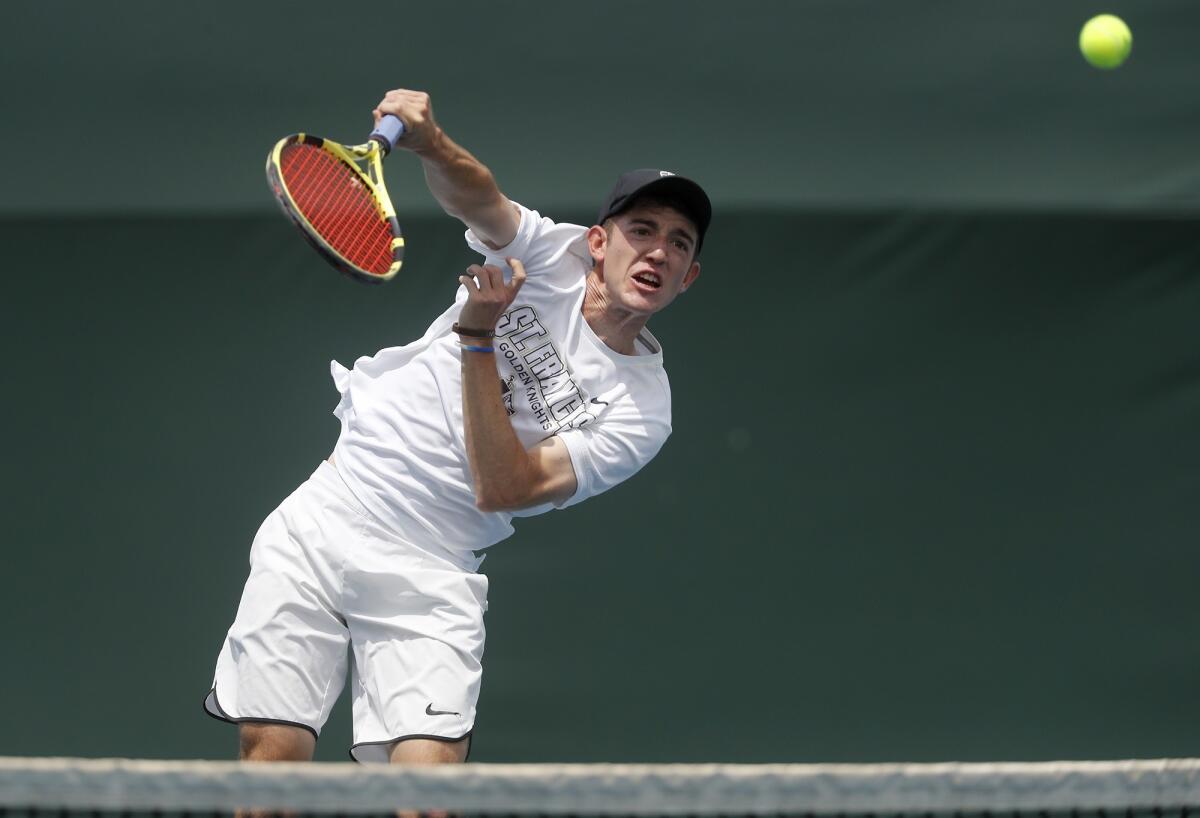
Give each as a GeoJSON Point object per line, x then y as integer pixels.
{"type": "Point", "coordinates": [646, 303]}
{"type": "Point", "coordinates": [641, 306]}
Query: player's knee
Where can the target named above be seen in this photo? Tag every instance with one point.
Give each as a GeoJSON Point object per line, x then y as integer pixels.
{"type": "Point", "coordinates": [430, 751]}
{"type": "Point", "coordinates": [274, 742]}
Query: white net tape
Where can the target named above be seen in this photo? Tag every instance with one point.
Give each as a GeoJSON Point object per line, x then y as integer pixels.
{"type": "Point", "coordinates": [617, 789]}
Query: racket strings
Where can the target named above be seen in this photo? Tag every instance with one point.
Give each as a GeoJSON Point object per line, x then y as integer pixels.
{"type": "Point", "coordinates": [338, 205]}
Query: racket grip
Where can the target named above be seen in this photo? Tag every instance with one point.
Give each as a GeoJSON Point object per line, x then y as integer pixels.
{"type": "Point", "coordinates": [389, 129]}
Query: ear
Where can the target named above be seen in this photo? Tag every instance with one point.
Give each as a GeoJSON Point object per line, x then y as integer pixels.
{"type": "Point", "coordinates": [597, 242]}
{"type": "Point", "coordinates": [690, 276]}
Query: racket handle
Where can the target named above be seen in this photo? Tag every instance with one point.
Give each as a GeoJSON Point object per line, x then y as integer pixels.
{"type": "Point", "coordinates": [389, 129]}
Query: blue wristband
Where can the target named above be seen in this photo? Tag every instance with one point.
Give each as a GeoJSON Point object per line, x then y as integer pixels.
{"type": "Point", "coordinates": [477, 349]}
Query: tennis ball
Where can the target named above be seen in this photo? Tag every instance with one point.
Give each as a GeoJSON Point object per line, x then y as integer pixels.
{"type": "Point", "coordinates": [1105, 41]}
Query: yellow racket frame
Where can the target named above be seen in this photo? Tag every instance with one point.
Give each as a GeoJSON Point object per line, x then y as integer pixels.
{"type": "Point", "coordinates": [370, 152]}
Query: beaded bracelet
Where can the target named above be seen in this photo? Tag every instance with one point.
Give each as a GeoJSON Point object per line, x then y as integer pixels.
{"type": "Point", "coordinates": [477, 349]}
{"type": "Point", "coordinates": [474, 333]}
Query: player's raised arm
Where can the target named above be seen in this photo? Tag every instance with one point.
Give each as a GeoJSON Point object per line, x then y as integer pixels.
{"type": "Point", "coordinates": [463, 185]}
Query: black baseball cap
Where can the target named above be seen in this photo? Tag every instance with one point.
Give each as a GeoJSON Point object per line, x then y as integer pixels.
{"type": "Point", "coordinates": [649, 182]}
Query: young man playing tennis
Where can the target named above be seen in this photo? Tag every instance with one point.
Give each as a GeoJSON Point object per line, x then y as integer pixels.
{"type": "Point", "coordinates": [538, 388]}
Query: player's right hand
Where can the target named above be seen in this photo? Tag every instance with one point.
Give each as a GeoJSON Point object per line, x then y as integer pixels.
{"type": "Point", "coordinates": [416, 112]}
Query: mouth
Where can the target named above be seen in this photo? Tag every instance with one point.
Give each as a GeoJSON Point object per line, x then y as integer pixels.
{"type": "Point", "coordinates": [648, 280]}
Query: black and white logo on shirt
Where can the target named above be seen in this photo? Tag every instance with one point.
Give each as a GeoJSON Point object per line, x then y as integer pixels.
{"type": "Point", "coordinates": [541, 379]}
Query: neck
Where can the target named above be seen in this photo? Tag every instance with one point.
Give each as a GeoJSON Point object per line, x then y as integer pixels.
{"type": "Point", "coordinates": [618, 328]}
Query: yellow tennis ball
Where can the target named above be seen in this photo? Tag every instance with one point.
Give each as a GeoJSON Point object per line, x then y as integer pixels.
{"type": "Point", "coordinates": [1105, 41]}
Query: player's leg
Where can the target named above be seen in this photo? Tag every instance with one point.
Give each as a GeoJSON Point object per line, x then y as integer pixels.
{"type": "Point", "coordinates": [417, 634]}
{"type": "Point", "coordinates": [260, 741]}
{"type": "Point", "coordinates": [283, 662]}
{"type": "Point", "coordinates": [428, 751]}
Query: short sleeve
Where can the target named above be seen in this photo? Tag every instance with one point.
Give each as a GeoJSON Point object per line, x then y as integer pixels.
{"type": "Point", "coordinates": [611, 450]}
{"type": "Point", "coordinates": [544, 246]}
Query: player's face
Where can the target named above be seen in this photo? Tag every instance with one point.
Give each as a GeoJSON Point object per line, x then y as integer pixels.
{"type": "Point", "coordinates": [649, 257]}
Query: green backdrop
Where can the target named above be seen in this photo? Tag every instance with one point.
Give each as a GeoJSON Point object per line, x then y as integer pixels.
{"type": "Point", "coordinates": [931, 492]}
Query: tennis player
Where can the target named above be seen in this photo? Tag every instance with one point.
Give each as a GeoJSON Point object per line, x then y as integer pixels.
{"type": "Point", "coordinates": [539, 387]}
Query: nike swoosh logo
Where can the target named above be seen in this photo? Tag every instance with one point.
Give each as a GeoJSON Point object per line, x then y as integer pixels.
{"type": "Point", "coordinates": [429, 711]}
{"type": "Point", "coordinates": [601, 402]}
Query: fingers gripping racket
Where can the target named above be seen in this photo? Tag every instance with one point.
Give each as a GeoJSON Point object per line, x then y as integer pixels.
{"type": "Point", "coordinates": [343, 212]}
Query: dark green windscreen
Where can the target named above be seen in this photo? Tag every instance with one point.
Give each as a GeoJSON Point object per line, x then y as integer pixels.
{"type": "Point", "coordinates": [930, 492]}
{"type": "Point", "coordinates": [845, 103]}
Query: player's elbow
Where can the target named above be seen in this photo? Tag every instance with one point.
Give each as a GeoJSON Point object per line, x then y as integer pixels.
{"type": "Point", "coordinates": [484, 501]}
{"type": "Point", "coordinates": [496, 501]}
{"type": "Point", "coordinates": [538, 478]}
{"type": "Point", "coordinates": [514, 498]}
{"type": "Point", "coordinates": [507, 495]}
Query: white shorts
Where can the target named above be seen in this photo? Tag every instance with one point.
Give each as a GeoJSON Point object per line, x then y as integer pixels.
{"type": "Point", "coordinates": [324, 574]}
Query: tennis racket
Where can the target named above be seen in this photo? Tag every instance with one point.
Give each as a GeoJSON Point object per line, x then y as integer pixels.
{"type": "Point", "coordinates": [343, 212]}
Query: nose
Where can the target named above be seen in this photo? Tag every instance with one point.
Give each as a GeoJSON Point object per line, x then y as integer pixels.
{"type": "Point", "coordinates": [658, 253]}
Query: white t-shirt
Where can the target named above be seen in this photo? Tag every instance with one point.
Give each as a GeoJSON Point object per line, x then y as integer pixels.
{"type": "Point", "coordinates": [401, 449]}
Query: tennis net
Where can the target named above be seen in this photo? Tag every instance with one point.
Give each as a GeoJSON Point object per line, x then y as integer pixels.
{"type": "Point", "coordinates": [99, 787]}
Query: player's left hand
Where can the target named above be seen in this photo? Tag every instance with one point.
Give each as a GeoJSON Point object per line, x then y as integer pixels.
{"type": "Point", "coordinates": [488, 296]}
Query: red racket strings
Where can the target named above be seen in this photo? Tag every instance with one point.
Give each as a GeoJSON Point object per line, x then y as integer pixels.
{"type": "Point", "coordinates": [338, 205]}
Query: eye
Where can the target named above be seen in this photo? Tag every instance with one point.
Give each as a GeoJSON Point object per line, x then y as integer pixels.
{"type": "Point", "coordinates": [680, 244]}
